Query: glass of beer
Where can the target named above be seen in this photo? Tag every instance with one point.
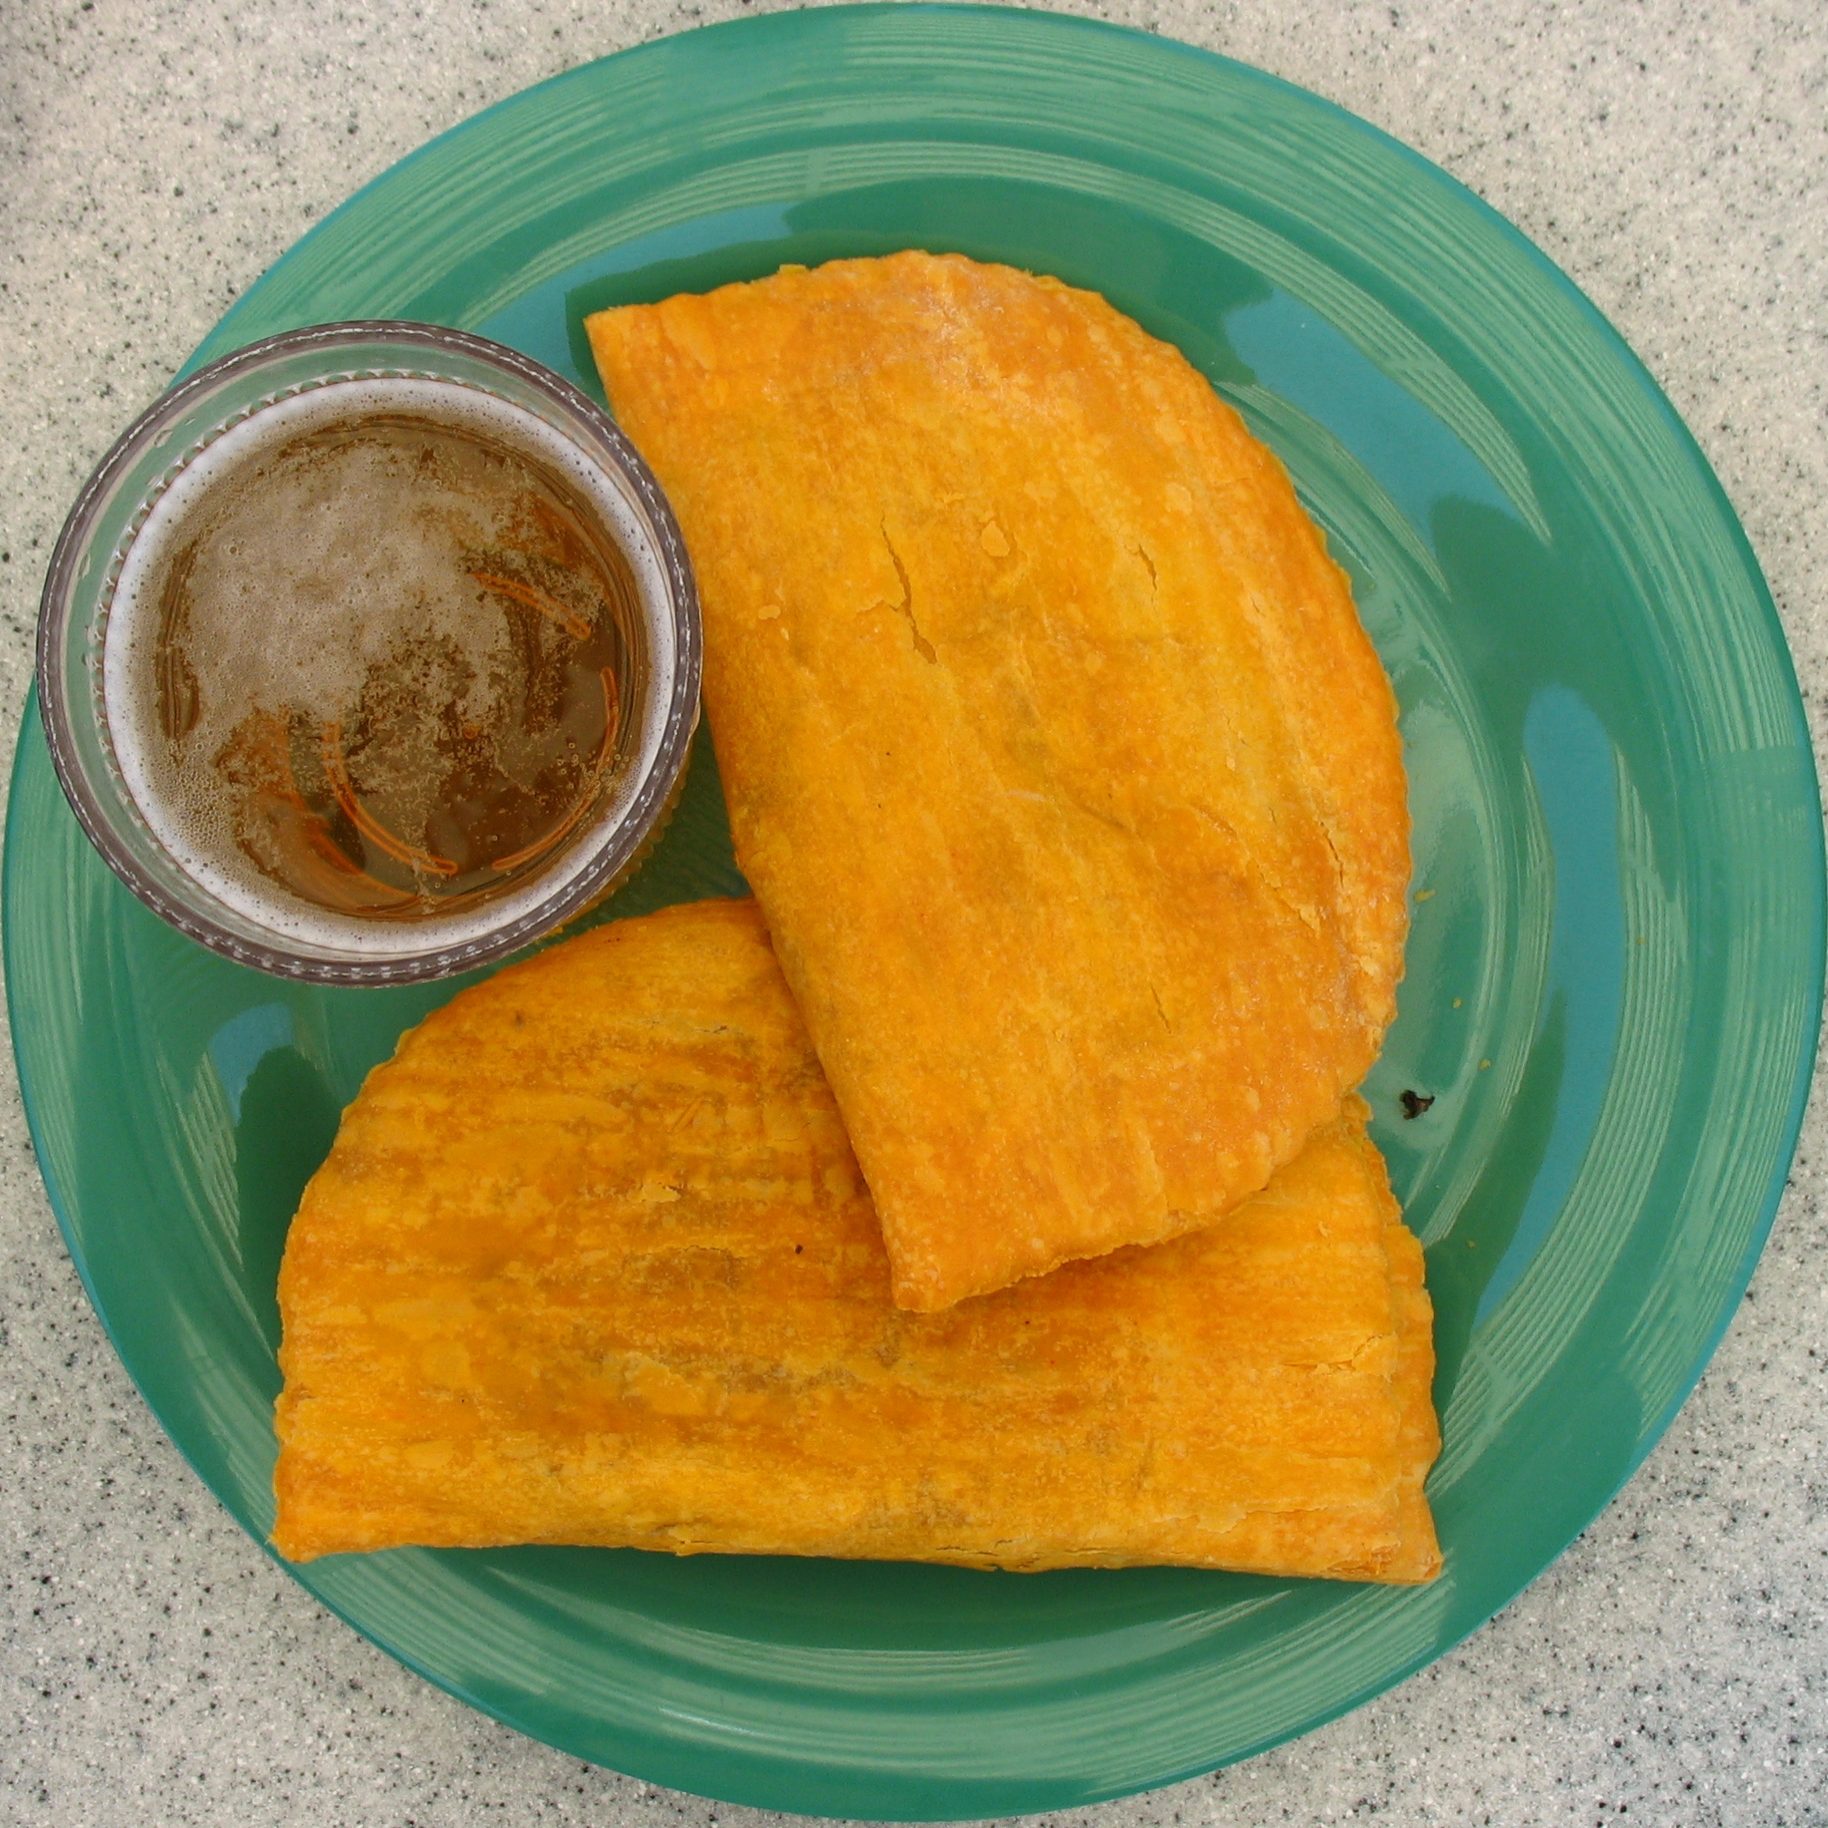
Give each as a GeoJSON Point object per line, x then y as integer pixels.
{"type": "Point", "coordinates": [370, 653]}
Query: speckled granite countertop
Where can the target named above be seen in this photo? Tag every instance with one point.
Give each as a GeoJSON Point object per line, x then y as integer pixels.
{"type": "Point", "coordinates": [1672, 1668]}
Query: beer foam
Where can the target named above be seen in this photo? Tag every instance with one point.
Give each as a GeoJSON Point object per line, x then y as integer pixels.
{"type": "Point", "coordinates": [296, 595]}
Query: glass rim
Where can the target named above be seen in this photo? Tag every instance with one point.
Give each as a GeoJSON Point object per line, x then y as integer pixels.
{"type": "Point", "coordinates": [621, 845]}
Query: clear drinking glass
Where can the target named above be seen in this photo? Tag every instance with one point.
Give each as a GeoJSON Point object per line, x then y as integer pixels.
{"type": "Point", "coordinates": [308, 375]}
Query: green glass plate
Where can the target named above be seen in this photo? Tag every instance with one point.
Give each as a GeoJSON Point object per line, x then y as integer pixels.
{"type": "Point", "coordinates": [1614, 980]}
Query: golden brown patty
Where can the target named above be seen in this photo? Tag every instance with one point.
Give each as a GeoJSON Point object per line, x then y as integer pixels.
{"type": "Point", "coordinates": [591, 1262]}
{"type": "Point", "coordinates": [1056, 755]}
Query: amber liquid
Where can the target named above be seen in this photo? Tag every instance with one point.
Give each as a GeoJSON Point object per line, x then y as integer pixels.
{"type": "Point", "coordinates": [463, 711]}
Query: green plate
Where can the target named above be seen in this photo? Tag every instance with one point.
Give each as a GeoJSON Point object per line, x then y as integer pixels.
{"type": "Point", "coordinates": [1614, 981]}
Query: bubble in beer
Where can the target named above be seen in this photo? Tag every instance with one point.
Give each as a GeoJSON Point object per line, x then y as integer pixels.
{"type": "Point", "coordinates": [372, 654]}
